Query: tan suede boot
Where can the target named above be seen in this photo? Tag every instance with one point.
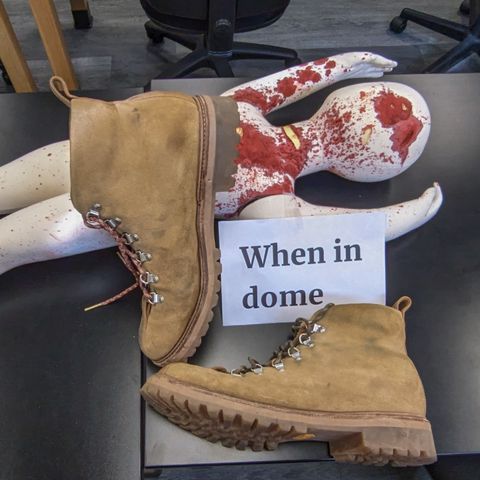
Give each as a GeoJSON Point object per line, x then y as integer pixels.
{"type": "Point", "coordinates": [143, 169]}
{"type": "Point", "coordinates": [347, 380]}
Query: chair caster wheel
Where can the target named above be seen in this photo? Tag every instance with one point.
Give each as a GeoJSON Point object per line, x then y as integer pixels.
{"type": "Point", "coordinates": [153, 33]}
{"type": "Point", "coordinates": [465, 7]}
{"type": "Point", "coordinates": [398, 24]}
{"type": "Point", "coordinates": [293, 62]}
{"type": "Point", "coordinates": [155, 37]}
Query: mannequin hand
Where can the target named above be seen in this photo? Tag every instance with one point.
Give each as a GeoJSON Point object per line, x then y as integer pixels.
{"type": "Point", "coordinates": [364, 64]}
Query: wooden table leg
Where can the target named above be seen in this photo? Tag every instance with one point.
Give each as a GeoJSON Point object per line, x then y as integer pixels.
{"type": "Point", "coordinates": [12, 56]}
{"type": "Point", "coordinates": [52, 37]}
{"type": "Point", "coordinates": [82, 17]}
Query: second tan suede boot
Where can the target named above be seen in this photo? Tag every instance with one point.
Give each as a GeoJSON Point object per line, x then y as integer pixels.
{"type": "Point", "coordinates": [344, 377]}
{"type": "Point", "coordinates": [143, 170]}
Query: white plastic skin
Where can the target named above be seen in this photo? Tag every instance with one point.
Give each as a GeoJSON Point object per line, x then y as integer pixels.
{"type": "Point", "coordinates": [401, 218]}
{"type": "Point", "coordinates": [45, 224]}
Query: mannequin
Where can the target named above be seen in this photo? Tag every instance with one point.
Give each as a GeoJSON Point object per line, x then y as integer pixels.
{"type": "Point", "coordinates": [368, 132]}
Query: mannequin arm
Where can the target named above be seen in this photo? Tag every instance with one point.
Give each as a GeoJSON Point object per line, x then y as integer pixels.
{"type": "Point", "coordinates": [401, 218]}
{"type": "Point", "coordinates": [283, 88]}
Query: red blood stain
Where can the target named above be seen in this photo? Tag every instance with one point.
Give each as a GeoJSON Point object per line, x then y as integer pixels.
{"type": "Point", "coordinates": [256, 149]}
{"type": "Point", "coordinates": [321, 61]}
{"type": "Point", "coordinates": [258, 99]}
{"type": "Point", "coordinates": [391, 108]}
{"type": "Point", "coordinates": [307, 75]}
{"type": "Point", "coordinates": [283, 186]}
{"type": "Point", "coordinates": [334, 128]}
{"type": "Point", "coordinates": [404, 134]}
{"type": "Point", "coordinates": [286, 86]}
{"type": "Point", "coordinates": [331, 64]}
{"type": "Point", "coordinates": [363, 95]}
{"type": "Point", "coordinates": [396, 112]}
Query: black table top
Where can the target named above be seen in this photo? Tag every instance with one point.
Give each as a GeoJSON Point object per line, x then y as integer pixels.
{"type": "Point", "coordinates": [69, 403]}
{"type": "Point", "coordinates": [437, 265]}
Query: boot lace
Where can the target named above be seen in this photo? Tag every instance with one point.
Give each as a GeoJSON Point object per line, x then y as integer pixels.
{"type": "Point", "coordinates": [302, 331]}
{"type": "Point", "coordinates": [132, 258]}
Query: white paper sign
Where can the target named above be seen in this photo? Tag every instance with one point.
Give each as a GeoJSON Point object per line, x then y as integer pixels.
{"type": "Point", "coordinates": [276, 270]}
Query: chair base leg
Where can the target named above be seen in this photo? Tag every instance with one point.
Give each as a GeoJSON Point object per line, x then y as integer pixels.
{"type": "Point", "coordinates": [191, 62]}
{"type": "Point", "coordinates": [219, 61]}
{"type": "Point", "coordinates": [467, 36]}
{"type": "Point", "coordinates": [452, 57]}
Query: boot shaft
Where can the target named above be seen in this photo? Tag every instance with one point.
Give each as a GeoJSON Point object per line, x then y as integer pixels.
{"type": "Point", "coordinates": [149, 161]}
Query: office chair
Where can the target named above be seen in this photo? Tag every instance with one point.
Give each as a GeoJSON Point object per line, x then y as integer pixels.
{"type": "Point", "coordinates": [207, 28]}
{"type": "Point", "coordinates": [469, 37]}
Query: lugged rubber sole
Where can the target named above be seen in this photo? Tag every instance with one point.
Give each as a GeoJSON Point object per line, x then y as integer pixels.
{"type": "Point", "coordinates": [369, 438]}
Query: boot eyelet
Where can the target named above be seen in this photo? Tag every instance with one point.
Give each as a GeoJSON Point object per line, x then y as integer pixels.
{"type": "Point", "coordinates": [294, 352]}
{"type": "Point", "coordinates": [258, 369]}
{"type": "Point", "coordinates": [278, 365]}
{"type": "Point", "coordinates": [146, 278]}
{"type": "Point", "coordinates": [305, 340]}
{"type": "Point", "coordinates": [143, 256]}
{"type": "Point", "coordinates": [130, 238]}
{"type": "Point", "coordinates": [93, 215]}
{"type": "Point", "coordinates": [155, 298]}
{"type": "Point", "coordinates": [317, 328]}
{"type": "Point", "coordinates": [113, 222]}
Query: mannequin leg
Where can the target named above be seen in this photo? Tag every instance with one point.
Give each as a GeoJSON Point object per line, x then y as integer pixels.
{"type": "Point", "coordinates": [44, 231]}
{"type": "Point", "coordinates": [36, 176]}
{"type": "Point", "coordinates": [401, 218]}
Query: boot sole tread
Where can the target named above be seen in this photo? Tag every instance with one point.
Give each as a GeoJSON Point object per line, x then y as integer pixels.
{"type": "Point", "coordinates": [369, 438]}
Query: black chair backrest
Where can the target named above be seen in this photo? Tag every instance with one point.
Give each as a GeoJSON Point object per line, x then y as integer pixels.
{"type": "Point", "coordinates": [192, 15]}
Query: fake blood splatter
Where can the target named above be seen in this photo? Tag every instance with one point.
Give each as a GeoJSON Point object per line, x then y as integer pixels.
{"type": "Point", "coordinates": [307, 74]}
{"type": "Point", "coordinates": [256, 149]}
{"type": "Point", "coordinates": [392, 108]}
{"type": "Point", "coordinates": [329, 65]}
{"type": "Point", "coordinates": [286, 86]}
{"type": "Point", "coordinates": [258, 99]}
{"type": "Point", "coordinates": [396, 112]}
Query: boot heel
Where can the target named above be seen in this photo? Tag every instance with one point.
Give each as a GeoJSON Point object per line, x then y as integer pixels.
{"type": "Point", "coordinates": [382, 445]}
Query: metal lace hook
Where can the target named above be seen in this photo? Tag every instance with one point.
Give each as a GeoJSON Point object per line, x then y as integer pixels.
{"type": "Point", "coordinates": [306, 340]}
{"type": "Point", "coordinates": [317, 328]}
{"type": "Point", "coordinates": [278, 364]}
{"type": "Point", "coordinates": [93, 215]}
{"type": "Point", "coordinates": [294, 352]}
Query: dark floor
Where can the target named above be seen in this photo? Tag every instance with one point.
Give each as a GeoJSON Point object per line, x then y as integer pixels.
{"type": "Point", "coordinates": [116, 52]}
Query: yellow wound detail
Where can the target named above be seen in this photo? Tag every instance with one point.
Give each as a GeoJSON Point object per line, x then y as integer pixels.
{"type": "Point", "coordinates": [292, 136]}
{"type": "Point", "coordinates": [367, 133]}
{"type": "Point", "coordinates": [304, 436]}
